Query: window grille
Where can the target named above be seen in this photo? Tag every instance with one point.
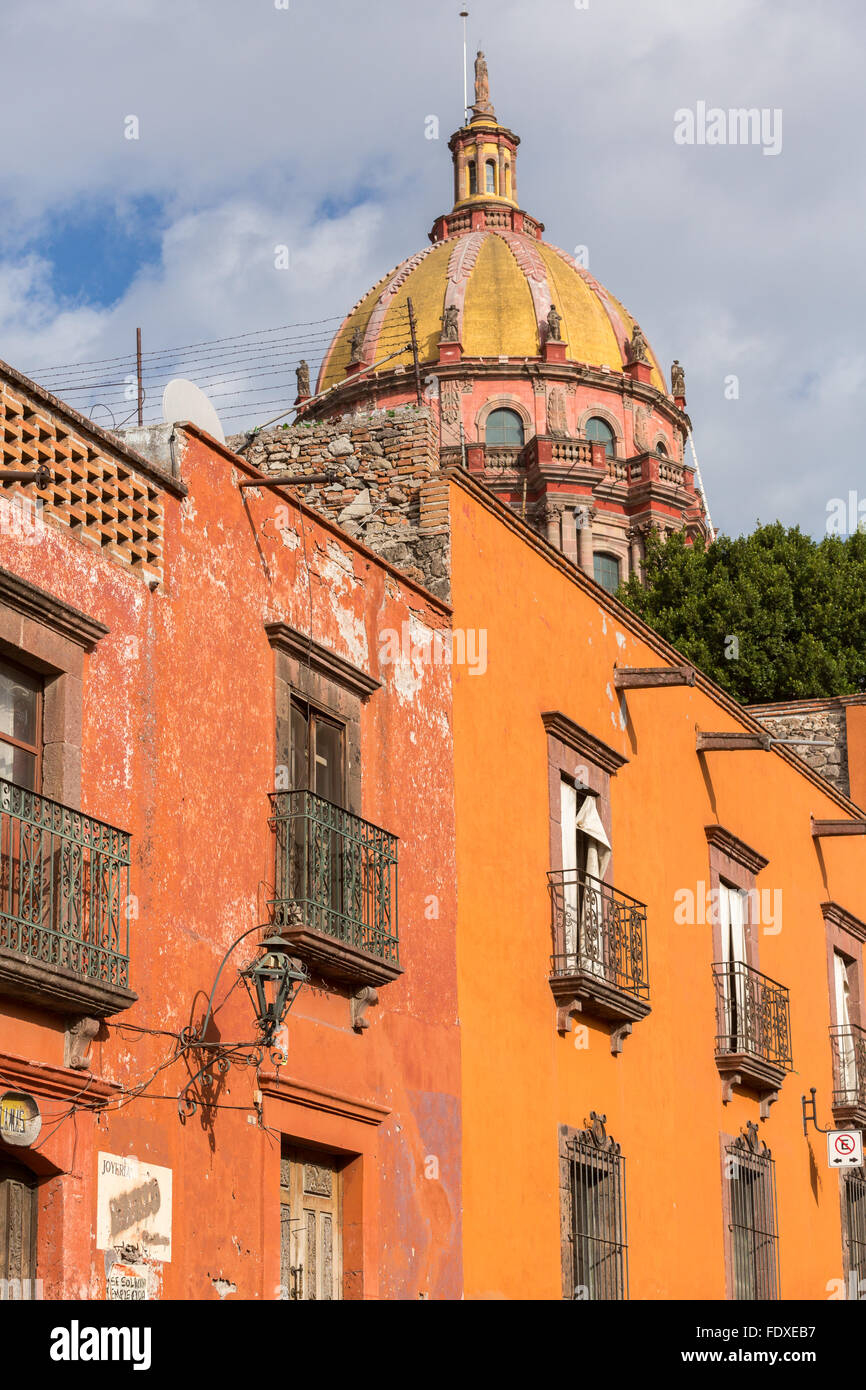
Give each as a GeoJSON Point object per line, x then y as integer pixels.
{"type": "Point", "coordinates": [751, 1173]}
{"type": "Point", "coordinates": [855, 1233]}
{"type": "Point", "coordinates": [598, 1217]}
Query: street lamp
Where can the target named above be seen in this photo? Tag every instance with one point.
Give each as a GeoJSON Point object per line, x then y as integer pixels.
{"type": "Point", "coordinates": [272, 982]}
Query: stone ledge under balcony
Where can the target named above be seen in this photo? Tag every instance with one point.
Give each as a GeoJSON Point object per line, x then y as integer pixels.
{"type": "Point", "coordinates": [337, 960]}
{"type": "Point", "coordinates": [752, 1073]}
{"type": "Point", "coordinates": [581, 992]}
{"type": "Point", "coordinates": [58, 989]}
{"type": "Point", "coordinates": [849, 1116]}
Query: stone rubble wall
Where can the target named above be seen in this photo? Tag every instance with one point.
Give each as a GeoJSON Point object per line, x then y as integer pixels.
{"type": "Point", "coordinates": [383, 496]}
{"type": "Point", "coordinates": [831, 763]}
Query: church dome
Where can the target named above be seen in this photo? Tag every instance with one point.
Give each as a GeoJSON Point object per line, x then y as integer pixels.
{"type": "Point", "coordinates": [528, 373]}
{"type": "Point", "coordinates": [502, 283]}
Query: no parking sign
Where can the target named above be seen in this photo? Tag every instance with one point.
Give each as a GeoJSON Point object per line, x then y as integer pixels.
{"type": "Point", "coordinates": [845, 1148]}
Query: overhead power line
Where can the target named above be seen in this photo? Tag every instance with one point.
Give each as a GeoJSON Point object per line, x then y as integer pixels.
{"type": "Point", "coordinates": [247, 375]}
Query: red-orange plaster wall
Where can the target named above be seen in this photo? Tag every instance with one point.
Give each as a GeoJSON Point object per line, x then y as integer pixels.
{"type": "Point", "coordinates": [179, 748]}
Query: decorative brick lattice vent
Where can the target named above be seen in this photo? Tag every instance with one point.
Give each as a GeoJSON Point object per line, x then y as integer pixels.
{"type": "Point", "coordinates": [105, 503]}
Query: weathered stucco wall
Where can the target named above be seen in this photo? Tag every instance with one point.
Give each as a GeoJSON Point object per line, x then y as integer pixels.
{"type": "Point", "coordinates": [178, 747]}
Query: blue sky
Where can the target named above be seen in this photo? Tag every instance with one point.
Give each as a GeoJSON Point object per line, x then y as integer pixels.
{"type": "Point", "coordinates": [96, 252]}
{"type": "Point", "coordinates": [304, 127]}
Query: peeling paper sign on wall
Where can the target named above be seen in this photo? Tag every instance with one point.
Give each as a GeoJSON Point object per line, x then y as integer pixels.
{"type": "Point", "coordinates": [127, 1284]}
{"type": "Point", "coordinates": [133, 1206]}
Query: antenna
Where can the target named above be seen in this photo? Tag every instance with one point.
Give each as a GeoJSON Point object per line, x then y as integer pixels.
{"type": "Point", "coordinates": [464, 15]}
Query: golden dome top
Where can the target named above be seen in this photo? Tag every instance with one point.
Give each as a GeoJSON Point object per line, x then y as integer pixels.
{"type": "Point", "coordinates": [502, 284]}
{"type": "Point", "coordinates": [488, 276]}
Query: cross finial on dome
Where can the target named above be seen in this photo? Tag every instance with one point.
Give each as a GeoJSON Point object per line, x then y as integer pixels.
{"type": "Point", "coordinates": [483, 105]}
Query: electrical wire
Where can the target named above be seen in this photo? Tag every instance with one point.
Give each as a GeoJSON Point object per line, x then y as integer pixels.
{"type": "Point", "coordinates": [242, 372]}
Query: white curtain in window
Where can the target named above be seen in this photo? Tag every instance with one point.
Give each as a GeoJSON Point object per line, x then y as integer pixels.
{"type": "Point", "coordinates": [845, 1041]}
{"type": "Point", "coordinates": [592, 939]}
{"type": "Point", "coordinates": [732, 919]}
{"type": "Point", "coordinates": [568, 824]}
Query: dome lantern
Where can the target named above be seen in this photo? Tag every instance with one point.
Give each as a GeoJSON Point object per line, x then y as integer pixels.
{"type": "Point", "coordinates": [484, 152]}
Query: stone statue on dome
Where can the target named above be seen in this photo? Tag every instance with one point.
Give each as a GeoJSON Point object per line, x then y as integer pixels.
{"type": "Point", "coordinates": [355, 347]}
{"type": "Point", "coordinates": [302, 376]}
{"type": "Point", "coordinates": [482, 105]}
{"type": "Point", "coordinates": [678, 379]}
{"type": "Point", "coordinates": [554, 325]}
{"type": "Point", "coordinates": [451, 325]}
{"type": "Point", "coordinates": [637, 348]}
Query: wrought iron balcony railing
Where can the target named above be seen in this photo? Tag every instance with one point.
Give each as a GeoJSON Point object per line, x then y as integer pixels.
{"type": "Point", "coordinates": [336, 872]}
{"type": "Point", "coordinates": [752, 1015]}
{"type": "Point", "coordinates": [598, 932]}
{"type": "Point", "coordinates": [849, 1066]}
{"type": "Point", "coordinates": [64, 888]}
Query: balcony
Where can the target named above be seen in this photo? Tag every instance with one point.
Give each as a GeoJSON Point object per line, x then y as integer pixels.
{"type": "Point", "coordinates": [849, 1075]}
{"type": "Point", "coordinates": [64, 906]}
{"type": "Point", "coordinates": [753, 1038]}
{"type": "Point", "coordinates": [599, 964]}
{"type": "Point", "coordinates": [335, 889]}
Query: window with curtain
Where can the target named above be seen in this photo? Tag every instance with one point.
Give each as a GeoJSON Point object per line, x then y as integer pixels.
{"type": "Point", "coordinates": [490, 177]}
{"type": "Point", "coordinates": [736, 1028]}
{"type": "Point", "coordinates": [585, 859]}
{"type": "Point", "coordinates": [846, 1079]}
{"type": "Point", "coordinates": [473, 177]}
{"type": "Point", "coordinates": [504, 426]}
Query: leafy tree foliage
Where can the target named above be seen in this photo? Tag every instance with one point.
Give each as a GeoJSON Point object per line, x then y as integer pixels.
{"type": "Point", "coordinates": [770, 616]}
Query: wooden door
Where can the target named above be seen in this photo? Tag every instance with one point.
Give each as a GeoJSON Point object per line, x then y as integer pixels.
{"type": "Point", "coordinates": [17, 1232]}
{"type": "Point", "coordinates": [311, 1246]}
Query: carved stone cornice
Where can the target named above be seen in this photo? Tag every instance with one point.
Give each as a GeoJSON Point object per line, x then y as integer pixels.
{"type": "Point", "coordinates": [581, 741]}
{"type": "Point", "coordinates": [280, 1087]}
{"type": "Point", "coordinates": [284, 638]}
{"type": "Point", "coordinates": [57, 1083]}
{"type": "Point", "coordinates": [735, 849]}
{"type": "Point", "coordinates": [840, 917]}
{"type": "Point", "coordinates": [53, 612]}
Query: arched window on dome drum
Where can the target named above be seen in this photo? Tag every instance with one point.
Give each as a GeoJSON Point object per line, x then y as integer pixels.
{"type": "Point", "coordinates": [598, 431]}
{"type": "Point", "coordinates": [661, 449]}
{"type": "Point", "coordinates": [473, 177]}
{"type": "Point", "coordinates": [490, 176]}
{"type": "Point", "coordinates": [503, 427]}
{"type": "Point", "coordinates": [506, 174]}
{"type": "Point", "coordinates": [605, 571]}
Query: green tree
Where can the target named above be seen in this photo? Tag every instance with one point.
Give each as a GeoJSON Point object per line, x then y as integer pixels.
{"type": "Point", "coordinates": [770, 616]}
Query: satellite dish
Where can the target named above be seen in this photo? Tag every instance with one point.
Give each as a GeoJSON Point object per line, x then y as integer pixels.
{"type": "Point", "coordinates": [182, 400]}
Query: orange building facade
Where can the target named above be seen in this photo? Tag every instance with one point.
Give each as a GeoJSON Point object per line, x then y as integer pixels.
{"type": "Point", "coordinates": [578, 1002]}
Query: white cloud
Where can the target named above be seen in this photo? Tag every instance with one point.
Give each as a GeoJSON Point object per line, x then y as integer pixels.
{"type": "Point", "coordinates": [253, 117]}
